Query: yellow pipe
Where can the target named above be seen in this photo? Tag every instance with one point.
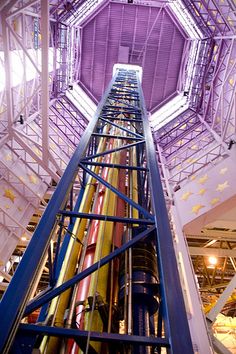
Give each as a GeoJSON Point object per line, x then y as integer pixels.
{"type": "Point", "coordinates": [59, 304]}
{"type": "Point", "coordinates": [99, 279]}
{"type": "Point", "coordinates": [134, 183]}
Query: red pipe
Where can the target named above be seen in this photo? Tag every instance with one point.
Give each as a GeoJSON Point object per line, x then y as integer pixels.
{"type": "Point", "coordinates": [83, 287]}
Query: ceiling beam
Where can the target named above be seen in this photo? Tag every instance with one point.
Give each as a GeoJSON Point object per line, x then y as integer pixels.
{"type": "Point", "coordinates": [215, 235]}
{"type": "Point", "coordinates": [217, 252]}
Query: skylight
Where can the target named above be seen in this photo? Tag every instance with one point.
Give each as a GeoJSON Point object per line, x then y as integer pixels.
{"type": "Point", "coordinates": [169, 111]}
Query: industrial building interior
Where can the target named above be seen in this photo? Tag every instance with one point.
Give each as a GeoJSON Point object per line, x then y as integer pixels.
{"type": "Point", "coordinates": [58, 61]}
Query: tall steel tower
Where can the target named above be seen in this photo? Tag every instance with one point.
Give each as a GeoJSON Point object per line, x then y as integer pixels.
{"type": "Point", "coordinates": [105, 237]}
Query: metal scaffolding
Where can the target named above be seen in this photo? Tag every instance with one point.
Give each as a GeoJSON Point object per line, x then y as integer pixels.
{"type": "Point", "coordinates": [114, 284]}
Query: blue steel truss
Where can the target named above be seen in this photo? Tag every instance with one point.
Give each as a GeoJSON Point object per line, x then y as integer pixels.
{"type": "Point", "coordinates": [123, 97]}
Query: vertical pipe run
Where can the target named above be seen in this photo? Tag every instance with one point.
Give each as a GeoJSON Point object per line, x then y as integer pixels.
{"type": "Point", "coordinates": [138, 275]}
{"type": "Point", "coordinates": [59, 305]}
{"type": "Point", "coordinates": [45, 78]}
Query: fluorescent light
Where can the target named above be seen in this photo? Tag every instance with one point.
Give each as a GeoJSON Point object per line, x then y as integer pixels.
{"type": "Point", "coordinates": [169, 111]}
{"type": "Point", "coordinates": [186, 19]}
{"type": "Point", "coordinates": [82, 101]}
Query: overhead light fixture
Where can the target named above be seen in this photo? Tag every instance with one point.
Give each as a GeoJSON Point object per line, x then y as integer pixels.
{"type": "Point", "coordinates": [212, 260]}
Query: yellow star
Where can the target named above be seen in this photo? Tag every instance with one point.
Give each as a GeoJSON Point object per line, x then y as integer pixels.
{"type": "Point", "coordinates": [202, 191]}
{"type": "Point", "coordinates": [179, 143]}
{"type": "Point", "coordinates": [196, 208]}
{"type": "Point", "coordinates": [193, 147]}
{"type": "Point", "coordinates": [203, 179]}
{"type": "Point", "coordinates": [33, 179]}
{"type": "Point", "coordinates": [52, 146]}
{"type": "Point", "coordinates": [215, 201]}
{"type": "Point", "coordinates": [223, 170]}
{"type": "Point", "coordinates": [221, 187]}
{"type": "Point", "coordinates": [19, 208]}
{"type": "Point", "coordinates": [37, 151]}
{"type": "Point", "coordinates": [8, 193]}
{"type": "Point", "coordinates": [186, 195]}
{"type": "Point", "coordinates": [191, 160]}
{"type": "Point", "coordinates": [193, 177]}
{"type": "Point", "coordinates": [7, 206]}
{"type": "Point", "coordinates": [8, 157]}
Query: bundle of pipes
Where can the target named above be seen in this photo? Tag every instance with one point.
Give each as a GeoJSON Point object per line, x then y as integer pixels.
{"type": "Point", "coordinates": [126, 290]}
{"type": "Point", "coordinates": [104, 284]}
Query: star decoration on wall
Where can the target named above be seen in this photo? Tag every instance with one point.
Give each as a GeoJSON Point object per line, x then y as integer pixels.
{"type": "Point", "coordinates": [203, 179]}
{"type": "Point", "coordinates": [179, 143]}
{"type": "Point", "coordinates": [37, 151]}
{"type": "Point", "coordinates": [7, 206]}
{"type": "Point", "coordinates": [193, 177]}
{"type": "Point", "coordinates": [222, 186]}
{"type": "Point", "coordinates": [52, 146]}
{"type": "Point", "coordinates": [196, 208]}
{"type": "Point", "coordinates": [186, 195]}
{"type": "Point", "coordinates": [191, 160]}
{"type": "Point", "coordinates": [214, 201]}
{"type": "Point", "coordinates": [8, 193]}
{"type": "Point", "coordinates": [202, 191]}
{"type": "Point", "coordinates": [223, 170]}
{"type": "Point", "coordinates": [19, 208]}
{"type": "Point", "coordinates": [8, 157]}
{"type": "Point", "coordinates": [33, 179]}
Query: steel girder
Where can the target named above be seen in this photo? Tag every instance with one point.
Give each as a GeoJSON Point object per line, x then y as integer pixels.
{"type": "Point", "coordinates": [173, 313]}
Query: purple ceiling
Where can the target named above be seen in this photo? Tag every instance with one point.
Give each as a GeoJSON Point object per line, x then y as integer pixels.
{"type": "Point", "coordinates": [139, 35]}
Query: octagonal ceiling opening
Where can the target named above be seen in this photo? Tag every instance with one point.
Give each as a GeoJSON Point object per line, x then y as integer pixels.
{"type": "Point", "coordinates": [132, 34]}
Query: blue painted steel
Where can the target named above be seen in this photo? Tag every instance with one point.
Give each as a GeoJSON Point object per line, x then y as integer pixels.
{"type": "Point", "coordinates": [126, 167]}
{"type": "Point", "coordinates": [173, 312]}
{"type": "Point", "coordinates": [175, 317]}
{"type": "Point", "coordinates": [18, 291]}
{"type": "Point", "coordinates": [122, 128]}
{"type": "Point", "coordinates": [128, 146]}
{"type": "Point", "coordinates": [123, 119]}
{"type": "Point", "coordinates": [34, 304]}
{"type": "Point", "coordinates": [108, 218]}
{"type": "Point", "coordinates": [94, 336]}
{"type": "Point", "coordinates": [61, 253]}
{"type": "Point", "coordinates": [117, 136]}
{"type": "Point", "coordinates": [116, 191]}
{"type": "Point", "coordinates": [67, 237]}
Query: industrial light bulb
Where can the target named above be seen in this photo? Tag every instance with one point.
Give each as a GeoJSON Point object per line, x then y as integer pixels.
{"type": "Point", "coordinates": [212, 260]}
